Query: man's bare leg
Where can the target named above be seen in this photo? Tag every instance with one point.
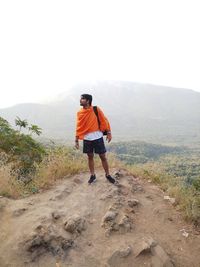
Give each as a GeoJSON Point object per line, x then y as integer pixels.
{"type": "Point", "coordinates": [106, 167]}
{"type": "Point", "coordinates": [104, 163]}
{"type": "Point", "coordinates": [91, 162]}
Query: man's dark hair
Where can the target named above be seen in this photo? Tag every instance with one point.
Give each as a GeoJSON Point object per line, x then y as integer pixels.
{"type": "Point", "coordinates": [87, 97]}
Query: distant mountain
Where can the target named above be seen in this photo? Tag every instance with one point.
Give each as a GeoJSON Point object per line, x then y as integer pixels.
{"type": "Point", "coordinates": [136, 111]}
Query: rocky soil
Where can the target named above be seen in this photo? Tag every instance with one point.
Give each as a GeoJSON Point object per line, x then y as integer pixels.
{"type": "Point", "coordinates": [132, 223]}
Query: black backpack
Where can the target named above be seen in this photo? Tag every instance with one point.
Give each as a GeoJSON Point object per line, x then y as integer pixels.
{"type": "Point", "coordinates": [96, 113]}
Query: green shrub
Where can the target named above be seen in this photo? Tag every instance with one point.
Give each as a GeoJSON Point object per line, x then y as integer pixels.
{"type": "Point", "coordinates": [20, 148]}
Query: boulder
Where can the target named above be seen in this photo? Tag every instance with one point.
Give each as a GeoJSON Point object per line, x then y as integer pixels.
{"type": "Point", "coordinates": [144, 246]}
{"type": "Point", "coordinates": [160, 257]}
{"type": "Point", "coordinates": [75, 224]}
{"type": "Point", "coordinates": [46, 240]}
{"type": "Point", "coordinates": [125, 224]}
{"type": "Point", "coordinates": [119, 256]}
{"type": "Point", "coordinates": [109, 216]}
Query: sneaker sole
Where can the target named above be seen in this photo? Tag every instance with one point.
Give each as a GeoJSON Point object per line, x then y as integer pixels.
{"type": "Point", "coordinates": [92, 182]}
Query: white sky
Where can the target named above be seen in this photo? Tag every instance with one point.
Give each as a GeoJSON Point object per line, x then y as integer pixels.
{"type": "Point", "coordinates": [46, 46]}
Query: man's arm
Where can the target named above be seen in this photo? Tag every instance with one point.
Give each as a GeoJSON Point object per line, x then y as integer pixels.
{"type": "Point", "coordinates": [76, 142]}
{"type": "Point", "coordinates": [76, 135]}
{"type": "Point", "coordinates": [109, 136]}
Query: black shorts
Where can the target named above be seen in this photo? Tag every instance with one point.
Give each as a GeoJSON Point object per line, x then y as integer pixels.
{"type": "Point", "coordinates": [96, 146]}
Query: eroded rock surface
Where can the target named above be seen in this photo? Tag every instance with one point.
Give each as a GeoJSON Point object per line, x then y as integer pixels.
{"type": "Point", "coordinates": [104, 225]}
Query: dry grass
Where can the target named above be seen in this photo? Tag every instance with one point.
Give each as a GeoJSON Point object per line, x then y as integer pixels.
{"type": "Point", "coordinates": [187, 198]}
{"type": "Point", "coordinates": [9, 186]}
{"type": "Point", "coordinates": [64, 162]}
{"type": "Point", "coordinates": [59, 163]}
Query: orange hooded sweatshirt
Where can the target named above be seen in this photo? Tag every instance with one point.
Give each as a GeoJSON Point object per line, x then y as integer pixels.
{"type": "Point", "coordinates": [87, 122]}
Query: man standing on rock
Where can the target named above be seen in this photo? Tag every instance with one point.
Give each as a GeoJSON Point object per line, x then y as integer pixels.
{"type": "Point", "coordinates": [90, 125]}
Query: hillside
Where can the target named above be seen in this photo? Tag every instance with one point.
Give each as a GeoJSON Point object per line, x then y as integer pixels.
{"type": "Point", "coordinates": [136, 111]}
{"type": "Point", "coordinates": [102, 225]}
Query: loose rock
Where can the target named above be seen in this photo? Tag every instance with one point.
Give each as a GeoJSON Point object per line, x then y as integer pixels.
{"type": "Point", "coordinates": [56, 215]}
{"type": "Point", "coordinates": [137, 188]}
{"type": "Point", "coordinates": [19, 212]}
{"type": "Point", "coordinates": [133, 202]}
{"type": "Point", "coordinates": [171, 199]}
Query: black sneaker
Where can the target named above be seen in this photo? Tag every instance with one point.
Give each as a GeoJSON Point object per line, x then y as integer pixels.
{"type": "Point", "coordinates": [110, 179]}
{"type": "Point", "coordinates": [92, 179]}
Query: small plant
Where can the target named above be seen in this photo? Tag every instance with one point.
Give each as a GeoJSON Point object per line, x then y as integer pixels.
{"type": "Point", "coordinates": [196, 184]}
{"type": "Point", "coordinates": [35, 129]}
{"type": "Point", "coordinates": [21, 123]}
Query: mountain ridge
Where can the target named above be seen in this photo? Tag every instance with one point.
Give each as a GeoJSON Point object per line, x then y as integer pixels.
{"type": "Point", "coordinates": [147, 112]}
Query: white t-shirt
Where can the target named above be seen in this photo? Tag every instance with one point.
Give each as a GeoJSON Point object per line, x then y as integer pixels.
{"type": "Point", "coordinates": [93, 136]}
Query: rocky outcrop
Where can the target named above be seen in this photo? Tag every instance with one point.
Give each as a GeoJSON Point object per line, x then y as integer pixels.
{"type": "Point", "coordinates": [47, 240]}
{"type": "Point", "coordinates": [156, 253]}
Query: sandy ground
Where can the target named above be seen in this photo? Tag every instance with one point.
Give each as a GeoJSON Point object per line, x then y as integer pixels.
{"type": "Point", "coordinates": [100, 225]}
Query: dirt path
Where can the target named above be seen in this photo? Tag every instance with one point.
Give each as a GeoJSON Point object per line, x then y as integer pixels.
{"type": "Point", "coordinates": [100, 225]}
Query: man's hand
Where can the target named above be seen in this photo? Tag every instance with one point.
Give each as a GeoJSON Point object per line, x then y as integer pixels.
{"type": "Point", "coordinates": [76, 144]}
{"type": "Point", "coordinates": [109, 137]}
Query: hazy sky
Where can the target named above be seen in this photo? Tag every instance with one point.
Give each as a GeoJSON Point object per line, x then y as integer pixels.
{"type": "Point", "coordinates": [46, 46]}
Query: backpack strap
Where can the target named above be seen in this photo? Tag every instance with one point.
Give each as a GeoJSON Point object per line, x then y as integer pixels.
{"type": "Point", "coordinates": [96, 113]}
